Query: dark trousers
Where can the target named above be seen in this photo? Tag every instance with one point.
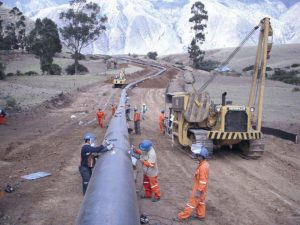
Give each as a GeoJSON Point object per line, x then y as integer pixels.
{"type": "Point", "coordinates": [137, 127]}
{"type": "Point", "coordinates": [86, 174]}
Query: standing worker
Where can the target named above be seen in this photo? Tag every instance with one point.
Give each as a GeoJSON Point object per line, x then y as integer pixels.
{"type": "Point", "coordinates": [88, 155]}
{"type": "Point", "coordinates": [113, 109]}
{"type": "Point", "coordinates": [100, 117]}
{"type": "Point", "coordinates": [162, 121]}
{"type": "Point", "coordinates": [127, 112]}
{"type": "Point", "coordinates": [143, 110]}
{"type": "Point", "coordinates": [170, 127]}
{"type": "Point", "coordinates": [197, 200]}
{"type": "Point", "coordinates": [146, 154]}
{"type": "Point", "coordinates": [137, 121]}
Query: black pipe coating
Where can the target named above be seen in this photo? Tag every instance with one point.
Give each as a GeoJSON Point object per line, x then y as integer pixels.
{"type": "Point", "coordinates": [111, 197]}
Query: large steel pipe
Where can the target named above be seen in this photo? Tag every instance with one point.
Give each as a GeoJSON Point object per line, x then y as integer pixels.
{"type": "Point", "coordinates": [111, 195]}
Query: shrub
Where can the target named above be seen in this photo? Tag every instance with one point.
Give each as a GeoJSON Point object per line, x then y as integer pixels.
{"type": "Point", "coordinates": [10, 74]}
{"type": "Point", "coordinates": [295, 65]}
{"type": "Point", "coordinates": [269, 68]}
{"type": "Point", "coordinates": [52, 69]}
{"type": "Point", "coordinates": [289, 77]}
{"type": "Point", "coordinates": [152, 55]}
{"type": "Point", "coordinates": [31, 73]}
{"type": "Point", "coordinates": [19, 73]}
{"type": "Point", "coordinates": [95, 57]}
{"type": "Point", "coordinates": [81, 69]}
{"type": "Point", "coordinates": [248, 68]}
{"type": "Point", "coordinates": [208, 65]}
{"type": "Point", "coordinates": [80, 56]}
{"type": "Point", "coordinates": [134, 55]}
{"type": "Point", "coordinates": [296, 89]}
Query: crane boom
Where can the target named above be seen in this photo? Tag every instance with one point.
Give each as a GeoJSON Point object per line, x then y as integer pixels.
{"type": "Point", "coordinates": [259, 73]}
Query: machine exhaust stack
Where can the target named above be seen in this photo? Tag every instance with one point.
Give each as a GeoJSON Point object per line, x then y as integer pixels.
{"type": "Point", "coordinates": [224, 98]}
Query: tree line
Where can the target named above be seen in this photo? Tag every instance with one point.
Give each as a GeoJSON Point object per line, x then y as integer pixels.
{"type": "Point", "coordinates": [83, 23]}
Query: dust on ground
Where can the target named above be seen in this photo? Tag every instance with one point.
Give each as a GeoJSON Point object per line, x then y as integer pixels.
{"type": "Point", "coordinates": [264, 191]}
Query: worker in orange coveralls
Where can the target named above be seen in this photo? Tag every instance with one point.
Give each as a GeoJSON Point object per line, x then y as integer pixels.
{"type": "Point", "coordinates": [146, 154]}
{"type": "Point", "coordinates": [197, 199]}
{"type": "Point", "coordinates": [2, 116]}
{"type": "Point", "coordinates": [113, 109]}
{"type": "Point", "coordinates": [162, 122]}
{"type": "Point", "coordinates": [137, 121]}
{"type": "Point", "coordinates": [100, 117]}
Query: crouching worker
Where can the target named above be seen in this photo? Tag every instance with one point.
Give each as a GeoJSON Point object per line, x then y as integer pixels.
{"type": "Point", "coordinates": [197, 199]}
{"type": "Point", "coordinates": [89, 153]}
{"type": "Point", "coordinates": [146, 154]}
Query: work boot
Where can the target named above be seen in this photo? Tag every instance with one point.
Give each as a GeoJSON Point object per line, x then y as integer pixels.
{"type": "Point", "coordinates": [197, 218]}
{"type": "Point", "coordinates": [188, 219]}
{"type": "Point", "coordinates": [143, 197]}
{"type": "Point", "coordinates": [155, 199]}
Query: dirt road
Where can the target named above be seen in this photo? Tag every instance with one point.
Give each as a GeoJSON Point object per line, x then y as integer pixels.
{"type": "Point", "coordinates": [265, 191]}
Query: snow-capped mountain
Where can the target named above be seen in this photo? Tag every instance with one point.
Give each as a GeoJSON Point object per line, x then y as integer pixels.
{"type": "Point", "coordinates": [139, 26]}
{"type": "Point", "coordinates": [31, 7]}
{"type": "Point", "coordinates": [291, 20]}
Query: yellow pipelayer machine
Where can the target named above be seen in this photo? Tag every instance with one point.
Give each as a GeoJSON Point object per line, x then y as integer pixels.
{"type": "Point", "coordinates": [198, 120]}
{"type": "Point", "coordinates": [120, 80]}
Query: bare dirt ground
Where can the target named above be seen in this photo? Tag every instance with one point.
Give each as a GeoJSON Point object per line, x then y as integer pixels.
{"type": "Point", "coordinates": [264, 191]}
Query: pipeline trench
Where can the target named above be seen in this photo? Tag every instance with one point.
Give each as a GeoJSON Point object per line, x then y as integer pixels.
{"type": "Point", "coordinates": [264, 191]}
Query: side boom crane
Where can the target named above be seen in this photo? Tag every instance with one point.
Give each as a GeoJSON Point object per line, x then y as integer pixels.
{"type": "Point", "coordinates": [259, 74]}
{"type": "Point", "coordinates": [197, 120]}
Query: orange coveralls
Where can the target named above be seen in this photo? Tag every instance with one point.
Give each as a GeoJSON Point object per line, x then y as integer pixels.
{"type": "Point", "coordinates": [197, 200]}
{"type": "Point", "coordinates": [162, 123]}
{"type": "Point", "coordinates": [2, 119]}
{"type": "Point", "coordinates": [101, 117]}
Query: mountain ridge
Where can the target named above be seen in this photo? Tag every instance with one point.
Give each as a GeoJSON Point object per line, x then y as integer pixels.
{"type": "Point", "coordinates": [139, 26]}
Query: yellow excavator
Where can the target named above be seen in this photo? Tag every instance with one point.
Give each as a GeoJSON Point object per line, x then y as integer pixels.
{"type": "Point", "coordinates": [119, 80]}
{"type": "Point", "coordinates": [197, 120]}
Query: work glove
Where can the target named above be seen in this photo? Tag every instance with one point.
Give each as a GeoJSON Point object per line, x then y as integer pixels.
{"type": "Point", "coordinates": [110, 147]}
{"type": "Point", "coordinates": [108, 144]}
{"type": "Point", "coordinates": [148, 164]}
{"type": "Point", "coordinates": [136, 151]}
{"type": "Point", "coordinates": [134, 154]}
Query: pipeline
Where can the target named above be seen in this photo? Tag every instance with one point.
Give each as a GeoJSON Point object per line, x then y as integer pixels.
{"type": "Point", "coordinates": [111, 195]}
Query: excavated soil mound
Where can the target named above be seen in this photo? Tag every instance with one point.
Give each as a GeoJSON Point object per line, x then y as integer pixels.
{"type": "Point", "coordinates": [160, 81]}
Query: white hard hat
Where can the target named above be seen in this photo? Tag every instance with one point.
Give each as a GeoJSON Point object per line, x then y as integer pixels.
{"type": "Point", "coordinates": [199, 149]}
